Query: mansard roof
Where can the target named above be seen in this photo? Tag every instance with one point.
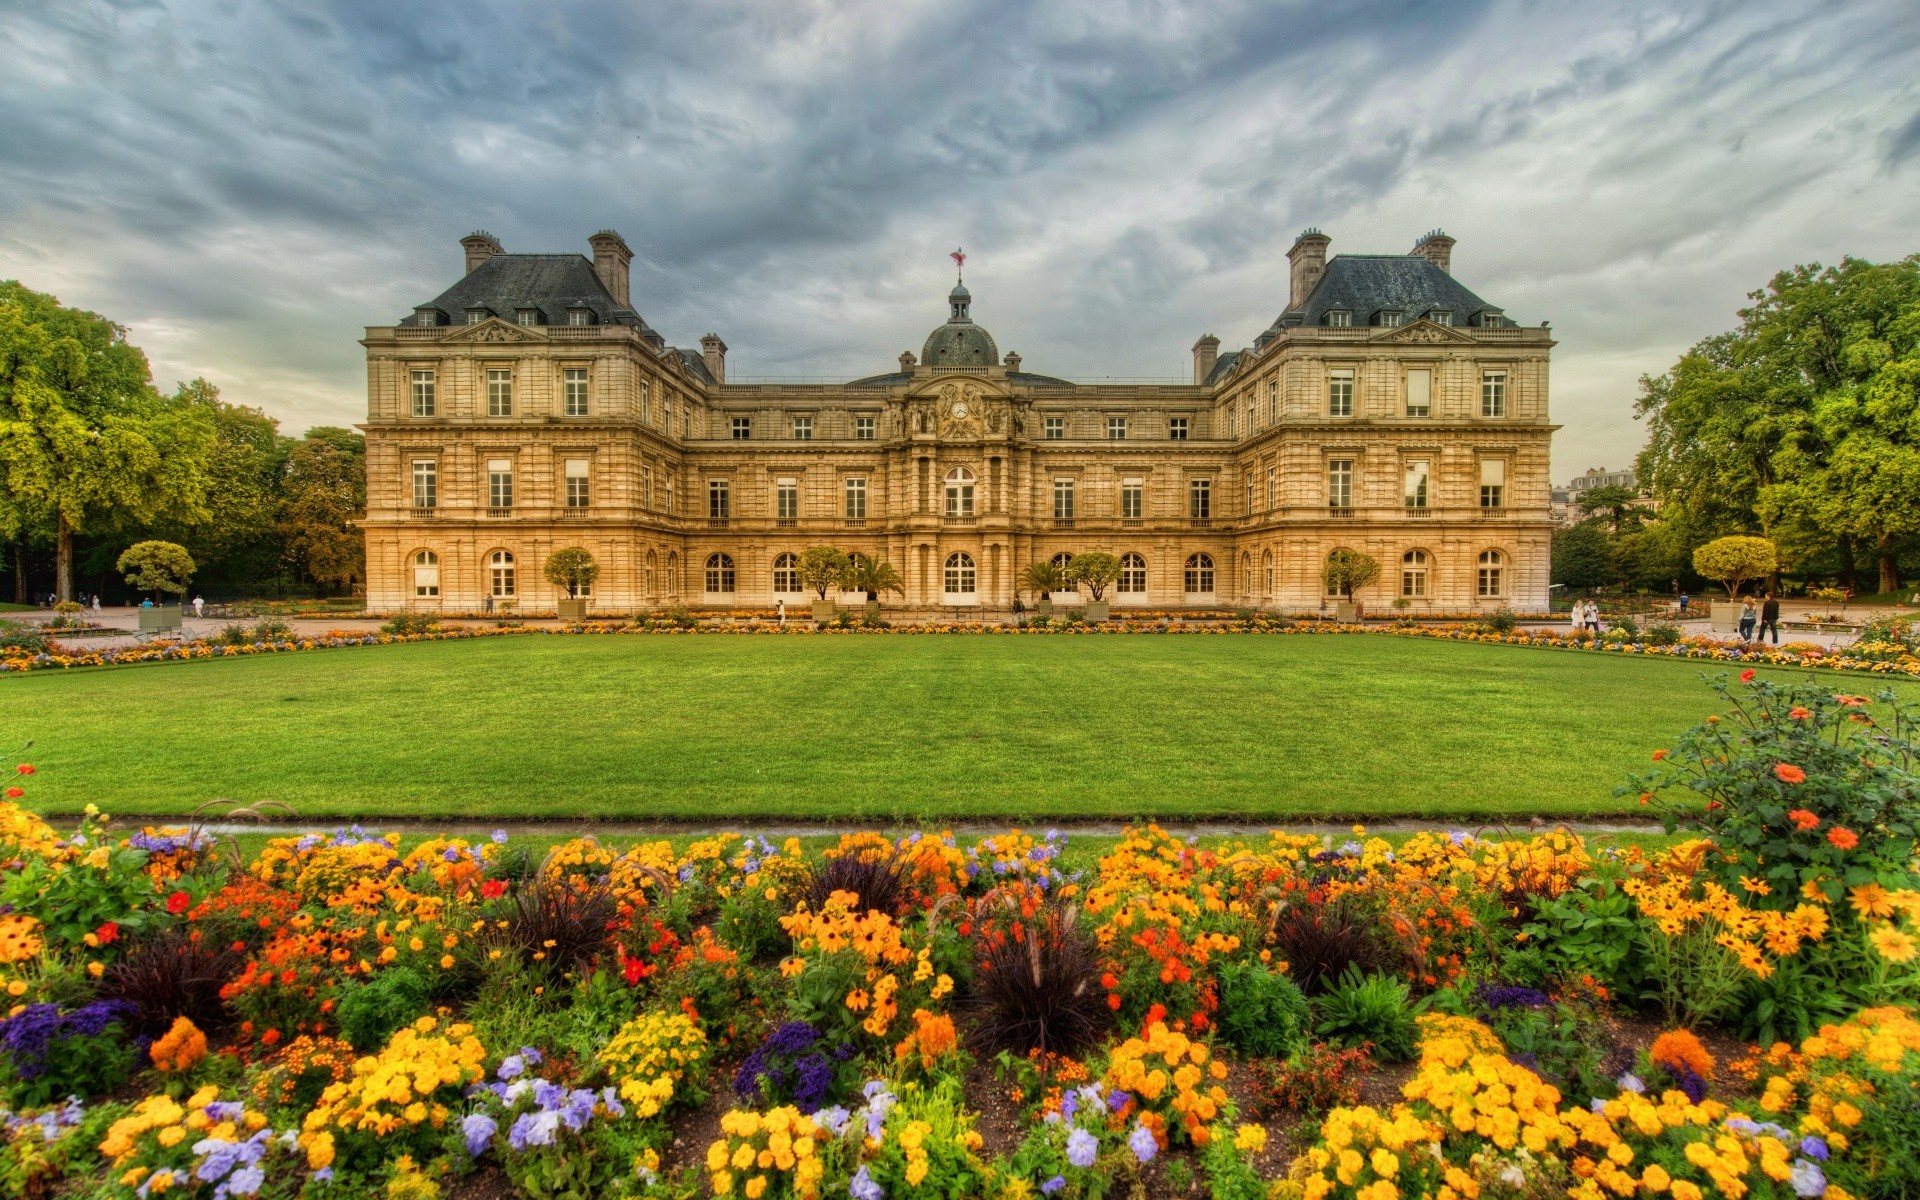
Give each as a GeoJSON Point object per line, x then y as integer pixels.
{"type": "Point", "coordinates": [1016, 378]}
{"type": "Point", "coordinates": [1367, 285]}
{"type": "Point", "coordinates": [552, 283]}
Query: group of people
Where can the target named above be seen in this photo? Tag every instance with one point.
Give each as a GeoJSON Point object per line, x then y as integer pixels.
{"type": "Point", "coordinates": [1765, 616]}
{"type": "Point", "coordinates": [1586, 615]}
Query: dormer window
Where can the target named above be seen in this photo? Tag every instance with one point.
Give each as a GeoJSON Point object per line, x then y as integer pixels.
{"type": "Point", "coordinates": [579, 315]}
{"type": "Point", "coordinates": [426, 316]}
{"type": "Point", "coordinates": [1390, 317]}
{"type": "Point", "coordinates": [1490, 319]}
{"type": "Point", "coordinates": [1339, 318]}
{"type": "Point", "coordinates": [527, 316]}
{"type": "Point", "coordinates": [1441, 316]}
{"type": "Point", "coordinates": [477, 315]}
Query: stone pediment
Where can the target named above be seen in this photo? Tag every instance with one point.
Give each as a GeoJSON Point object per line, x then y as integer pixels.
{"type": "Point", "coordinates": [1422, 333]}
{"type": "Point", "coordinates": [960, 407]}
{"type": "Point", "coordinates": [493, 329]}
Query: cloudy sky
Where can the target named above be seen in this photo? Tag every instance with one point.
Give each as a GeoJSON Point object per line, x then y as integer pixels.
{"type": "Point", "coordinates": [246, 185]}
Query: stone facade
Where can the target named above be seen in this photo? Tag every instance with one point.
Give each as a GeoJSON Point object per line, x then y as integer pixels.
{"type": "Point", "coordinates": [529, 408]}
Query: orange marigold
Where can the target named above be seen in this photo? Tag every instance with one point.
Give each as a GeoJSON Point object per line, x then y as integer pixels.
{"type": "Point", "coordinates": [1679, 1048]}
{"type": "Point", "coordinates": [179, 1048]}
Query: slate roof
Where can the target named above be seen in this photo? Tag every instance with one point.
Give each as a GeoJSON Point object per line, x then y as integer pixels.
{"type": "Point", "coordinates": [1016, 378]}
{"type": "Point", "coordinates": [1222, 365]}
{"type": "Point", "coordinates": [552, 283]}
{"type": "Point", "coordinates": [1368, 284]}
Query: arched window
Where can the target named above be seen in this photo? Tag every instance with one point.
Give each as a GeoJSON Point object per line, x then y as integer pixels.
{"type": "Point", "coordinates": [786, 573]}
{"type": "Point", "coordinates": [1333, 589]}
{"type": "Point", "coordinates": [426, 574]}
{"type": "Point", "coordinates": [651, 562]}
{"type": "Point", "coordinates": [1133, 575]}
{"type": "Point", "coordinates": [1266, 571]}
{"type": "Point", "coordinates": [959, 492]}
{"type": "Point", "coordinates": [1413, 574]}
{"type": "Point", "coordinates": [1200, 573]}
{"type": "Point", "coordinates": [673, 572]}
{"type": "Point", "coordinates": [719, 573]}
{"type": "Point", "coordinates": [1493, 573]}
{"type": "Point", "coordinates": [500, 572]}
{"type": "Point", "coordinates": [1061, 562]}
{"type": "Point", "coordinates": [957, 579]}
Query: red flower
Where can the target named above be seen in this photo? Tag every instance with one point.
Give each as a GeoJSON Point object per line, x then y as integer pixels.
{"type": "Point", "coordinates": [1746, 676]}
{"type": "Point", "coordinates": [1660, 754]}
{"type": "Point", "coordinates": [14, 793]}
{"type": "Point", "coordinates": [635, 971]}
{"type": "Point", "coordinates": [1789, 773]}
{"type": "Point", "coordinates": [270, 1038]}
{"type": "Point", "coordinates": [1113, 1001]}
{"type": "Point", "coordinates": [493, 889]}
{"type": "Point", "coordinates": [178, 903]}
{"type": "Point", "coordinates": [25, 768]}
{"type": "Point", "coordinates": [108, 933]}
{"type": "Point", "coordinates": [1803, 820]}
{"type": "Point", "coordinates": [1843, 837]}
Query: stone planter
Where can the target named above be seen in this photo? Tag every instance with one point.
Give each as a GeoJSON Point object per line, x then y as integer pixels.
{"type": "Point", "coordinates": [1096, 610]}
{"type": "Point", "coordinates": [824, 611]}
{"type": "Point", "coordinates": [1724, 616]}
{"type": "Point", "coordinates": [1044, 607]}
{"type": "Point", "coordinates": [160, 616]}
{"type": "Point", "coordinates": [873, 610]}
{"type": "Point", "coordinates": [572, 610]}
{"type": "Point", "coordinates": [1346, 612]}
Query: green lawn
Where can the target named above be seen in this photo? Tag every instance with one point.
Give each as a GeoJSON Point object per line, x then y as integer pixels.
{"type": "Point", "coordinates": [870, 728]}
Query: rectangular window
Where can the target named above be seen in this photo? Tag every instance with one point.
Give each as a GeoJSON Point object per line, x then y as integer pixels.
{"type": "Point", "coordinates": [1056, 428]}
{"type": "Point", "coordinates": [1419, 393]}
{"type": "Point", "coordinates": [426, 483]}
{"type": "Point", "coordinates": [499, 392]}
{"type": "Point", "coordinates": [717, 507]}
{"type": "Point", "coordinates": [646, 402]}
{"type": "Point", "coordinates": [863, 429]}
{"type": "Point", "coordinates": [577, 483]}
{"type": "Point", "coordinates": [646, 486]}
{"type": "Point", "coordinates": [1340, 393]}
{"type": "Point", "coordinates": [423, 393]}
{"type": "Point", "coordinates": [742, 428]}
{"type": "Point", "coordinates": [1227, 416]}
{"type": "Point", "coordinates": [1493, 394]}
{"type": "Point", "coordinates": [1493, 482]}
{"type": "Point", "coordinates": [1339, 318]}
{"type": "Point", "coordinates": [500, 483]}
{"type": "Point", "coordinates": [1116, 429]}
{"type": "Point", "coordinates": [856, 499]}
{"type": "Point", "coordinates": [577, 316]}
{"type": "Point", "coordinates": [475, 316]}
{"type": "Point", "coordinates": [1200, 499]}
{"type": "Point", "coordinates": [1418, 472]}
{"type": "Point", "coordinates": [573, 392]}
{"type": "Point", "coordinates": [1273, 402]}
{"type": "Point", "coordinates": [1246, 481]}
{"type": "Point", "coordinates": [1273, 488]}
{"type": "Point", "coordinates": [786, 499]}
{"type": "Point", "coordinates": [1063, 499]}
{"type": "Point", "coordinates": [1340, 483]}
{"type": "Point", "coordinates": [803, 429]}
{"type": "Point", "coordinates": [1131, 499]}
{"type": "Point", "coordinates": [1441, 316]}
{"type": "Point", "coordinates": [526, 316]}
{"type": "Point", "coordinates": [1176, 429]}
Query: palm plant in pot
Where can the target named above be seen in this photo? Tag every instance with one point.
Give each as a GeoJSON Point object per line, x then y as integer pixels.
{"type": "Point", "coordinates": [872, 576]}
{"type": "Point", "coordinates": [822, 569]}
{"type": "Point", "coordinates": [1043, 579]}
{"type": "Point", "coordinates": [1096, 570]}
{"type": "Point", "coordinates": [574, 570]}
{"type": "Point", "coordinates": [161, 569]}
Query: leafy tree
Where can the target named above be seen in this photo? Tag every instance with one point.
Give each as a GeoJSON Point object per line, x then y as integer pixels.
{"type": "Point", "coordinates": [324, 497]}
{"type": "Point", "coordinates": [87, 446]}
{"type": "Point", "coordinates": [1582, 558]}
{"type": "Point", "coordinates": [1731, 561]}
{"type": "Point", "coordinates": [823, 568]}
{"type": "Point", "coordinates": [237, 540]}
{"type": "Point", "coordinates": [1620, 507]}
{"type": "Point", "coordinates": [572, 569]}
{"type": "Point", "coordinates": [157, 567]}
{"type": "Point", "coordinates": [1347, 570]}
{"type": "Point", "coordinates": [873, 576]}
{"type": "Point", "coordinates": [1043, 578]}
{"type": "Point", "coordinates": [1097, 569]}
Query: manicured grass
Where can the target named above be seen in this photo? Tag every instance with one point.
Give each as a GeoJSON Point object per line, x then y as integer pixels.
{"type": "Point", "coordinates": [715, 729]}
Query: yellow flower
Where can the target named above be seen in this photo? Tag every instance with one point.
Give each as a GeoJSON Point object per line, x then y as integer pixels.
{"type": "Point", "coordinates": [1870, 900]}
{"type": "Point", "coordinates": [1893, 945]}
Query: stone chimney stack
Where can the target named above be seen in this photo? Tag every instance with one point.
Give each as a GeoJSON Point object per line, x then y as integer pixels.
{"type": "Point", "coordinates": [1012, 362]}
{"type": "Point", "coordinates": [714, 351]}
{"type": "Point", "coordinates": [1309, 261]}
{"type": "Point", "coordinates": [1206, 352]}
{"type": "Point", "coordinates": [610, 259]}
{"type": "Point", "coordinates": [480, 246]}
{"type": "Point", "coordinates": [1437, 248]}
{"type": "Point", "coordinates": [906, 362]}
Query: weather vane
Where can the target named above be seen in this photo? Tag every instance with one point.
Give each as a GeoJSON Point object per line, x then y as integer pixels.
{"type": "Point", "coordinates": [959, 258]}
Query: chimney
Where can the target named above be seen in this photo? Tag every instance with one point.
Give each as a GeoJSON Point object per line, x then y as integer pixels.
{"type": "Point", "coordinates": [1012, 362]}
{"type": "Point", "coordinates": [1309, 260]}
{"type": "Point", "coordinates": [610, 259]}
{"type": "Point", "coordinates": [711, 347]}
{"type": "Point", "coordinates": [906, 362]}
{"type": "Point", "coordinates": [480, 246]}
{"type": "Point", "coordinates": [1206, 352]}
{"type": "Point", "coordinates": [1437, 248]}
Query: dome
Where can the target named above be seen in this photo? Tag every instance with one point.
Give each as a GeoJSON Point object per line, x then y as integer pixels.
{"type": "Point", "coordinates": [959, 343]}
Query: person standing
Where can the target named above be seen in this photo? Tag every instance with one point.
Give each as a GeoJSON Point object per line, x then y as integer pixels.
{"type": "Point", "coordinates": [1770, 617]}
{"type": "Point", "coordinates": [1683, 605]}
{"type": "Point", "coordinates": [780, 611]}
{"type": "Point", "coordinates": [1748, 616]}
{"type": "Point", "coordinates": [1593, 616]}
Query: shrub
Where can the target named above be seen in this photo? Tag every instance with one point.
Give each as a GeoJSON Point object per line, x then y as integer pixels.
{"type": "Point", "coordinates": [1373, 1009]}
{"type": "Point", "coordinates": [750, 923]}
{"type": "Point", "coordinates": [174, 974]}
{"type": "Point", "coordinates": [1663, 633]}
{"type": "Point", "coordinates": [927, 1146]}
{"type": "Point", "coordinates": [1503, 621]}
{"type": "Point", "coordinates": [411, 624]}
{"type": "Point", "coordinates": [156, 567]}
{"type": "Point", "coordinates": [1315, 1079]}
{"type": "Point", "coordinates": [1262, 1012]}
{"type": "Point", "coordinates": [1731, 561]}
{"type": "Point", "coordinates": [371, 1012]}
{"type": "Point", "coordinates": [24, 637]}
{"type": "Point", "coordinates": [1320, 942]}
{"type": "Point", "coordinates": [1589, 931]}
{"type": "Point", "coordinates": [1040, 991]}
{"type": "Point", "coordinates": [52, 1054]}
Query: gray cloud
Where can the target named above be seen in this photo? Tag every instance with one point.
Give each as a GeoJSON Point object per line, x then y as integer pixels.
{"type": "Point", "coordinates": [248, 185]}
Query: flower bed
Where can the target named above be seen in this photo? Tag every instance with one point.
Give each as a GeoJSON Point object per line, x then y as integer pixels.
{"type": "Point", "coordinates": [346, 1016]}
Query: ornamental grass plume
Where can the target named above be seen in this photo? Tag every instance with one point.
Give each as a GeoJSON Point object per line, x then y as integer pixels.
{"type": "Point", "coordinates": [1036, 983]}
{"type": "Point", "coordinates": [176, 974]}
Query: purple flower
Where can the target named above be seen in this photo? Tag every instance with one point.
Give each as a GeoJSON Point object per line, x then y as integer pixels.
{"type": "Point", "coordinates": [1117, 1099]}
{"type": "Point", "coordinates": [1069, 1104]}
{"type": "Point", "coordinates": [533, 1129]}
{"type": "Point", "coordinates": [1053, 1185]}
{"type": "Point", "coordinates": [1141, 1142]}
{"type": "Point", "coordinates": [478, 1129]}
{"type": "Point", "coordinates": [512, 1067]}
{"type": "Point", "coordinates": [1813, 1147]}
{"type": "Point", "coordinates": [1500, 995]}
{"type": "Point", "coordinates": [834, 1119]}
{"type": "Point", "coordinates": [1807, 1178]}
{"type": "Point", "coordinates": [499, 837]}
{"type": "Point", "coordinates": [27, 1036]}
{"type": "Point", "coordinates": [1083, 1148]}
{"type": "Point", "coordinates": [244, 1182]}
{"type": "Point", "coordinates": [1631, 1083]}
{"type": "Point", "coordinates": [864, 1188]}
{"type": "Point", "coordinates": [323, 1175]}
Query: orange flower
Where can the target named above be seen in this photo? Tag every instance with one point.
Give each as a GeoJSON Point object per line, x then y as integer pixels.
{"type": "Point", "coordinates": [1843, 837]}
{"type": "Point", "coordinates": [1679, 1048]}
{"type": "Point", "coordinates": [1789, 773]}
{"type": "Point", "coordinates": [1803, 820]}
{"type": "Point", "coordinates": [1870, 900]}
{"type": "Point", "coordinates": [1746, 676]}
{"type": "Point", "coordinates": [1660, 754]}
{"type": "Point", "coordinates": [1798, 713]}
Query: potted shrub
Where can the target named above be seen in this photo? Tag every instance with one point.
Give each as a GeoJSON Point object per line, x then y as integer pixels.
{"type": "Point", "coordinates": [1731, 562]}
{"type": "Point", "coordinates": [1344, 573]}
{"type": "Point", "coordinates": [822, 569]}
{"type": "Point", "coordinates": [572, 569]}
{"type": "Point", "coordinates": [1097, 570]}
{"type": "Point", "coordinates": [160, 569]}
{"type": "Point", "coordinates": [1043, 579]}
{"type": "Point", "coordinates": [872, 576]}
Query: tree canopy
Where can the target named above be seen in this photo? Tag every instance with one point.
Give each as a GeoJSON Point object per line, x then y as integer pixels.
{"type": "Point", "coordinates": [157, 567]}
{"type": "Point", "coordinates": [1347, 570]}
{"type": "Point", "coordinates": [573, 569]}
{"type": "Point", "coordinates": [1097, 569]}
{"type": "Point", "coordinates": [1732, 561]}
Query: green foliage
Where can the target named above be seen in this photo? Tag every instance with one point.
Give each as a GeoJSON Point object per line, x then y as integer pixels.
{"type": "Point", "coordinates": [371, 1012]}
{"type": "Point", "coordinates": [1262, 1011]}
{"type": "Point", "coordinates": [1043, 577]}
{"type": "Point", "coordinates": [1582, 559]}
{"type": "Point", "coordinates": [324, 497]}
{"type": "Point", "coordinates": [1313, 1080]}
{"type": "Point", "coordinates": [1503, 621]}
{"type": "Point", "coordinates": [1348, 570]}
{"type": "Point", "coordinates": [23, 635]}
{"type": "Point", "coordinates": [1618, 506]}
{"type": "Point", "coordinates": [1096, 569]}
{"type": "Point", "coordinates": [1663, 633]}
{"type": "Point", "coordinates": [952, 1170]}
{"type": "Point", "coordinates": [1229, 1173]}
{"type": "Point", "coordinates": [411, 624]}
{"type": "Point", "coordinates": [1375, 1010]}
{"type": "Point", "coordinates": [157, 567]}
{"type": "Point", "coordinates": [1732, 561]}
{"type": "Point", "coordinates": [750, 923]}
{"type": "Point", "coordinates": [824, 568]}
{"type": "Point", "coordinates": [571, 568]}
{"type": "Point", "coordinates": [873, 576]}
{"type": "Point", "coordinates": [1593, 931]}
{"type": "Point", "coordinates": [81, 1058]}
{"type": "Point", "coordinates": [1693, 978]}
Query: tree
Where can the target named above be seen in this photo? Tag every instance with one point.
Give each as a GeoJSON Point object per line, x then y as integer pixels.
{"type": "Point", "coordinates": [87, 445]}
{"type": "Point", "coordinates": [1097, 569]}
{"type": "Point", "coordinates": [823, 568]}
{"type": "Point", "coordinates": [237, 543]}
{"type": "Point", "coordinates": [325, 495]}
{"type": "Point", "coordinates": [1731, 561]}
{"type": "Point", "coordinates": [157, 567]}
{"type": "Point", "coordinates": [572, 569]}
{"type": "Point", "coordinates": [1043, 578]}
{"type": "Point", "coordinates": [1582, 560]}
{"type": "Point", "coordinates": [1618, 505]}
{"type": "Point", "coordinates": [1347, 570]}
{"type": "Point", "coordinates": [873, 576]}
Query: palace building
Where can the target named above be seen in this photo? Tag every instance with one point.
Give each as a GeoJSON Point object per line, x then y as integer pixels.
{"type": "Point", "coordinates": [530, 408]}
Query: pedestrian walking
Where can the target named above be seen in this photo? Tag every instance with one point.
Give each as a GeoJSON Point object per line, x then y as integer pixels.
{"type": "Point", "coordinates": [1593, 616]}
{"type": "Point", "coordinates": [1683, 604]}
{"type": "Point", "coordinates": [780, 611]}
{"type": "Point", "coordinates": [199, 606]}
{"type": "Point", "coordinates": [1749, 616]}
{"type": "Point", "coordinates": [1769, 617]}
